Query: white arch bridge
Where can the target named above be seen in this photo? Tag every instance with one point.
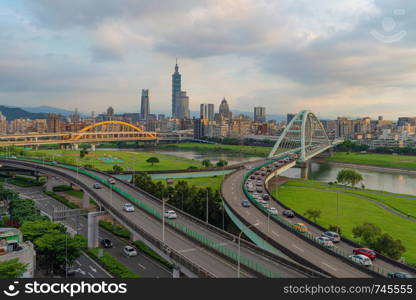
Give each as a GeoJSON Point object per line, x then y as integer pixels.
{"type": "Point", "coordinates": [304, 136]}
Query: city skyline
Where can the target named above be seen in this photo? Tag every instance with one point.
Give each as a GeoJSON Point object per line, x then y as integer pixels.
{"type": "Point", "coordinates": [104, 55]}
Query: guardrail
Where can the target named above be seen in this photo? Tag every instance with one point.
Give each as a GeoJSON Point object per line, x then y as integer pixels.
{"type": "Point", "coordinates": [230, 255]}
{"type": "Point", "coordinates": [372, 270]}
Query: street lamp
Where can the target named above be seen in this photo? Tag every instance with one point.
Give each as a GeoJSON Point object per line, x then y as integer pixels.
{"type": "Point", "coordinates": [239, 246]}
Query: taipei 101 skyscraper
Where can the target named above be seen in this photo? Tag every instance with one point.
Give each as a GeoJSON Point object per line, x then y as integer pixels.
{"type": "Point", "coordinates": [176, 89]}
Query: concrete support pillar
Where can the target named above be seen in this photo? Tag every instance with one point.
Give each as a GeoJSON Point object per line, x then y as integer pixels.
{"type": "Point", "coordinates": [93, 229]}
{"type": "Point", "coordinates": [331, 151]}
{"type": "Point", "coordinates": [49, 184]}
{"type": "Point", "coordinates": [93, 147]}
{"type": "Point", "coordinates": [62, 146]}
{"type": "Point", "coordinates": [176, 273]}
{"type": "Point", "coordinates": [304, 170]}
{"type": "Point", "coordinates": [85, 201]}
{"type": "Point", "coordinates": [75, 147]}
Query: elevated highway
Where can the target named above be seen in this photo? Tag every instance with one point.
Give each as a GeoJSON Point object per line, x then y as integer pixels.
{"type": "Point", "coordinates": [199, 249]}
{"type": "Point", "coordinates": [278, 228]}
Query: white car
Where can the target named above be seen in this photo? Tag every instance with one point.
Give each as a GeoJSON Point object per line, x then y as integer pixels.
{"type": "Point", "coordinates": [129, 251]}
{"type": "Point", "coordinates": [273, 211]}
{"type": "Point", "coordinates": [111, 180]}
{"type": "Point", "coordinates": [324, 241]}
{"type": "Point", "coordinates": [264, 203]}
{"type": "Point", "coordinates": [128, 207]}
{"type": "Point", "coordinates": [361, 259]}
{"type": "Point", "coordinates": [170, 214]}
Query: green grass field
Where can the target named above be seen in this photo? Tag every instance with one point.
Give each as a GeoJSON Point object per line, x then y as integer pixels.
{"type": "Point", "coordinates": [353, 211]}
{"type": "Point", "coordinates": [213, 182]}
{"type": "Point", "coordinates": [249, 150]}
{"type": "Point", "coordinates": [405, 205]}
{"type": "Point", "coordinates": [105, 160]}
{"type": "Point", "coordinates": [384, 160]}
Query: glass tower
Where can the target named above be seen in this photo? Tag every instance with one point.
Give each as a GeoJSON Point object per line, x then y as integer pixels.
{"type": "Point", "coordinates": [176, 89]}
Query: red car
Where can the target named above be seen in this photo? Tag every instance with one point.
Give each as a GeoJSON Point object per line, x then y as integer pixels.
{"type": "Point", "coordinates": [365, 251]}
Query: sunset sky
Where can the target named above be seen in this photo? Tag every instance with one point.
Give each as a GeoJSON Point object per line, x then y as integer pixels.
{"type": "Point", "coordinates": [351, 58]}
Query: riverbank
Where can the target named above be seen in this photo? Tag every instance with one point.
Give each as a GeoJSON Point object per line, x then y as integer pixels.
{"type": "Point", "coordinates": [353, 209]}
{"type": "Point", "coordinates": [241, 149]}
{"type": "Point", "coordinates": [388, 161]}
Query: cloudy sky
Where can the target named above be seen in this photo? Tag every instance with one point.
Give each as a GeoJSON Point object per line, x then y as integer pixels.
{"type": "Point", "coordinates": [353, 58]}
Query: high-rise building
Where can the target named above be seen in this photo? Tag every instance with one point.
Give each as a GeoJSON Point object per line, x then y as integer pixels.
{"type": "Point", "coordinates": [144, 105]}
{"type": "Point", "coordinates": [260, 114]}
{"type": "Point", "coordinates": [225, 110]}
{"type": "Point", "coordinates": [110, 112]}
{"type": "Point", "coordinates": [182, 105]}
{"type": "Point", "coordinates": [176, 89]}
{"type": "Point", "coordinates": [207, 111]}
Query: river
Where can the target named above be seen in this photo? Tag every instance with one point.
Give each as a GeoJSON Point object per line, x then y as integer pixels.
{"type": "Point", "coordinates": [373, 179]}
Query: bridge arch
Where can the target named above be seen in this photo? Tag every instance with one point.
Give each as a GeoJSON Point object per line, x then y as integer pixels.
{"type": "Point", "coordinates": [304, 134]}
{"type": "Point", "coordinates": [108, 127]}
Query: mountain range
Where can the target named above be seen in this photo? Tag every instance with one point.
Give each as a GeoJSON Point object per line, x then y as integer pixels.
{"type": "Point", "coordinates": [41, 112]}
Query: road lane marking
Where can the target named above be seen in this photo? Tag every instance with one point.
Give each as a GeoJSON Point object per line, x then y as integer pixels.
{"type": "Point", "coordinates": [143, 267]}
{"type": "Point", "coordinates": [275, 233]}
{"type": "Point", "coordinates": [331, 267]}
{"type": "Point", "coordinates": [91, 275]}
{"type": "Point", "coordinates": [78, 262]}
{"type": "Point", "coordinates": [187, 250]}
{"type": "Point", "coordinates": [300, 249]}
{"type": "Point", "coordinates": [93, 269]}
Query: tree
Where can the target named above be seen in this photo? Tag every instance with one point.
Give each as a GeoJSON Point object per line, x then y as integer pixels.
{"type": "Point", "coordinates": [206, 163]}
{"type": "Point", "coordinates": [117, 169]}
{"type": "Point", "coordinates": [152, 160]}
{"type": "Point", "coordinates": [385, 244]}
{"type": "Point", "coordinates": [367, 232]}
{"type": "Point", "coordinates": [313, 214]}
{"type": "Point", "coordinates": [222, 163]}
{"type": "Point", "coordinates": [54, 248]}
{"type": "Point", "coordinates": [347, 176]}
{"type": "Point", "coordinates": [12, 268]}
{"type": "Point", "coordinates": [32, 230]}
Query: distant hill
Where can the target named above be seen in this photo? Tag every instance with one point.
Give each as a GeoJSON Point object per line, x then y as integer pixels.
{"type": "Point", "coordinates": [13, 113]}
{"type": "Point", "coordinates": [48, 109]}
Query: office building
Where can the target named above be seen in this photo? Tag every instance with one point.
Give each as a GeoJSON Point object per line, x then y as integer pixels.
{"type": "Point", "coordinates": [207, 111]}
{"type": "Point", "coordinates": [260, 114]}
{"type": "Point", "coordinates": [144, 104]}
{"type": "Point", "coordinates": [224, 110]}
{"type": "Point", "coordinates": [176, 89]}
{"type": "Point", "coordinates": [182, 105]}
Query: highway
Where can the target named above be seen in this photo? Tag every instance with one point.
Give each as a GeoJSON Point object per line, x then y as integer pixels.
{"type": "Point", "coordinates": [193, 251]}
{"type": "Point", "coordinates": [233, 193]}
{"type": "Point", "coordinates": [141, 265]}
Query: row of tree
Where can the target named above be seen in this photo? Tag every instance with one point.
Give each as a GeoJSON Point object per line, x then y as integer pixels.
{"type": "Point", "coordinates": [350, 146]}
{"type": "Point", "coordinates": [190, 199]}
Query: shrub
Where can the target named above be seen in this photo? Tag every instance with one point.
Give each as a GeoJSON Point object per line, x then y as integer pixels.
{"type": "Point", "coordinates": [62, 199]}
{"type": "Point", "coordinates": [115, 229]}
{"type": "Point", "coordinates": [112, 265]}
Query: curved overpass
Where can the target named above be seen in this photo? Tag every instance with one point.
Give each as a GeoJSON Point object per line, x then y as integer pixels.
{"type": "Point", "coordinates": [279, 231]}
{"type": "Point", "coordinates": [200, 249]}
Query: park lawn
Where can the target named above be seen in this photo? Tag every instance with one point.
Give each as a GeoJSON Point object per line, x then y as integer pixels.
{"type": "Point", "coordinates": [353, 211]}
{"type": "Point", "coordinates": [134, 160]}
{"type": "Point", "coordinates": [242, 149]}
{"type": "Point", "coordinates": [394, 201]}
{"type": "Point", "coordinates": [214, 182]}
{"type": "Point", "coordinates": [384, 160]}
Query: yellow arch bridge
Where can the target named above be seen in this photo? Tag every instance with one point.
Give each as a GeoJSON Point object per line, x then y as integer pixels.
{"type": "Point", "coordinates": [107, 131]}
